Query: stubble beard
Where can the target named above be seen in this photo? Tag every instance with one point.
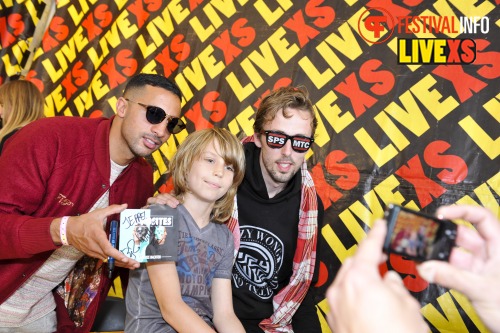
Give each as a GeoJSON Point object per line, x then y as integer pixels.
{"type": "Point", "coordinates": [277, 176]}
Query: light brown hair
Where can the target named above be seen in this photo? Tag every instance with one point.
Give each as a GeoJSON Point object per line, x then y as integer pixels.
{"type": "Point", "coordinates": [280, 99]}
{"type": "Point", "coordinates": [191, 149]}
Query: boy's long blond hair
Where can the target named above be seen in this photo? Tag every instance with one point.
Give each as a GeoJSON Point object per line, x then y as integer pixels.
{"type": "Point", "coordinates": [191, 149]}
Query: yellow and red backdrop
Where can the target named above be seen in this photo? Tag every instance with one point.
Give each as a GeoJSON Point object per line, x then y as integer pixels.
{"type": "Point", "coordinates": [417, 134]}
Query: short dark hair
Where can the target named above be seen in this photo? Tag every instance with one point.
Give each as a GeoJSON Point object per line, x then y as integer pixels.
{"type": "Point", "coordinates": [155, 80]}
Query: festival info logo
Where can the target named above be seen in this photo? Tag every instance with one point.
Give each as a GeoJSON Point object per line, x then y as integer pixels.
{"type": "Point", "coordinates": [377, 25]}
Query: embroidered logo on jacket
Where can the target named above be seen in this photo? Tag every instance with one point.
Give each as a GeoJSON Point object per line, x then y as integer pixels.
{"type": "Point", "coordinates": [63, 201]}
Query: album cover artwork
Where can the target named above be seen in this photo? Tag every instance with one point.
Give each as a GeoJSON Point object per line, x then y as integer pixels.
{"type": "Point", "coordinates": [149, 234]}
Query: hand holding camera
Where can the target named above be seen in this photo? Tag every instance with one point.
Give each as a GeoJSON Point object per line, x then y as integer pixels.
{"type": "Point", "coordinates": [474, 265]}
{"type": "Point", "coordinates": [473, 269]}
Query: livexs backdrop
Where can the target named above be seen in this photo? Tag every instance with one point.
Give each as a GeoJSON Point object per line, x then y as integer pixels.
{"type": "Point", "coordinates": [406, 92]}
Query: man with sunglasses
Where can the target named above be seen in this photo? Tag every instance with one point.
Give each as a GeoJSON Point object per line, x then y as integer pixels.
{"type": "Point", "coordinates": [63, 180]}
{"type": "Point", "coordinates": [276, 221]}
{"type": "Point", "coordinates": [277, 217]}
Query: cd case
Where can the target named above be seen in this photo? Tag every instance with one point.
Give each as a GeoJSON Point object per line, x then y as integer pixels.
{"type": "Point", "coordinates": [149, 234]}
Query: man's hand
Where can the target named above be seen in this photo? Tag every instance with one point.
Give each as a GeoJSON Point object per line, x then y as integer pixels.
{"type": "Point", "coordinates": [86, 233]}
{"type": "Point", "coordinates": [164, 199]}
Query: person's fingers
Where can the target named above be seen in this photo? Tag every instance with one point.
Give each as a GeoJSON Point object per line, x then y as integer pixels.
{"type": "Point", "coordinates": [130, 264]}
{"type": "Point", "coordinates": [488, 241]}
{"type": "Point", "coordinates": [451, 277]}
{"type": "Point", "coordinates": [344, 277]}
{"type": "Point", "coordinates": [344, 269]}
{"type": "Point", "coordinates": [427, 270]}
{"type": "Point", "coordinates": [335, 324]}
{"type": "Point", "coordinates": [393, 280]}
{"type": "Point", "coordinates": [329, 319]}
{"type": "Point", "coordinates": [120, 259]}
{"type": "Point", "coordinates": [369, 253]}
{"type": "Point", "coordinates": [462, 259]}
{"type": "Point", "coordinates": [331, 296]}
{"type": "Point", "coordinates": [370, 249]}
{"type": "Point", "coordinates": [109, 251]}
{"type": "Point", "coordinates": [154, 200]}
{"type": "Point", "coordinates": [164, 199]}
{"type": "Point", "coordinates": [336, 295]}
{"type": "Point", "coordinates": [88, 233]}
{"type": "Point", "coordinates": [113, 209]}
{"type": "Point", "coordinates": [483, 219]}
{"type": "Point", "coordinates": [470, 240]}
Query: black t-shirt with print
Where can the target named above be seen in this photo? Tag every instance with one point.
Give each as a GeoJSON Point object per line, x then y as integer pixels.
{"type": "Point", "coordinates": [269, 231]}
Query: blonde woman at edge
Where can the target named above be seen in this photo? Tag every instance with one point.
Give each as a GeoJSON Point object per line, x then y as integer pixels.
{"type": "Point", "coordinates": [20, 103]}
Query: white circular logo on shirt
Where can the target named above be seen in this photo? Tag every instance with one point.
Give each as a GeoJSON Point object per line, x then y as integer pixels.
{"type": "Point", "coordinates": [258, 262]}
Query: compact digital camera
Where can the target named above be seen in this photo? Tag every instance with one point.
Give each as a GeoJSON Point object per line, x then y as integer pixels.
{"type": "Point", "coordinates": [418, 236]}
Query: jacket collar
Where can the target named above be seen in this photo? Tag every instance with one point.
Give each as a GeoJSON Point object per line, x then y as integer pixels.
{"type": "Point", "coordinates": [101, 149]}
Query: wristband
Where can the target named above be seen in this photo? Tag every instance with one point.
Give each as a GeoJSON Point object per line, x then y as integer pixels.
{"type": "Point", "coordinates": [62, 230]}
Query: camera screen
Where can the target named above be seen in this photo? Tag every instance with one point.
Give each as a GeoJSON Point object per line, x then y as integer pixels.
{"type": "Point", "coordinates": [418, 236]}
{"type": "Point", "coordinates": [413, 235]}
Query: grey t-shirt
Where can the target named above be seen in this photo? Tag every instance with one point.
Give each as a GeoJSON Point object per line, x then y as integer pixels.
{"type": "Point", "coordinates": [203, 254]}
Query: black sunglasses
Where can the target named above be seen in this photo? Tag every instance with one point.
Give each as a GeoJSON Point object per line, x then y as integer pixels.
{"type": "Point", "coordinates": [276, 140]}
{"type": "Point", "coordinates": [155, 115]}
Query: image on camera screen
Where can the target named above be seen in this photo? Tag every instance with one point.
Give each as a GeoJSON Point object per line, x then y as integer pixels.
{"type": "Point", "coordinates": [413, 235]}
